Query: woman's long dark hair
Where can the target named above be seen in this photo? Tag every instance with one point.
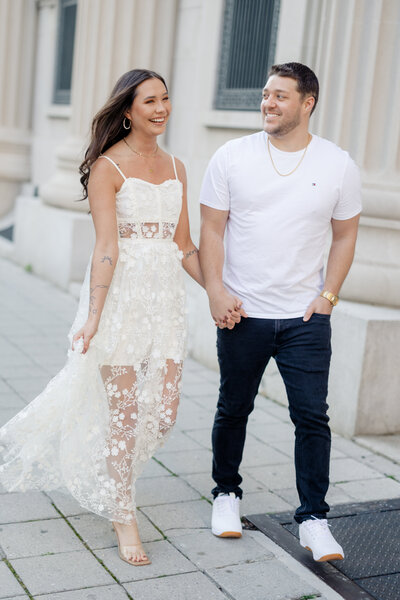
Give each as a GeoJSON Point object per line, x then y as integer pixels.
{"type": "Point", "coordinates": [107, 128]}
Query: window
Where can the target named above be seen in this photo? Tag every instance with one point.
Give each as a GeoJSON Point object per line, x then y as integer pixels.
{"type": "Point", "coordinates": [247, 52]}
{"type": "Point", "coordinates": [65, 51]}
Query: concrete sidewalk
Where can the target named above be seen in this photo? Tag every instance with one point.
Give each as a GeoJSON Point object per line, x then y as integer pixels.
{"type": "Point", "coordinates": [53, 549]}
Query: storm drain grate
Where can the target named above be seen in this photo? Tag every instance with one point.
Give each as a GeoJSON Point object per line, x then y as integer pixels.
{"type": "Point", "coordinates": [370, 535]}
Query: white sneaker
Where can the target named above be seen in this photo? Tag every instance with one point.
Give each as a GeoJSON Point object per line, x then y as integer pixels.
{"type": "Point", "coordinates": [316, 537]}
{"type": "Point", "coordinates": [225, 520]}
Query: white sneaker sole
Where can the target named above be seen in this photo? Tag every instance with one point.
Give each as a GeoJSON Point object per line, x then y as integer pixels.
{"type": "Point", "coordinates": [227, 534]}
{"type": "Point", "coordinates": [326, 557]}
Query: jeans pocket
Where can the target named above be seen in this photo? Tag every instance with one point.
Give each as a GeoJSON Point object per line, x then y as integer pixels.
{"type": "Point", "coordinates": [321, 315]}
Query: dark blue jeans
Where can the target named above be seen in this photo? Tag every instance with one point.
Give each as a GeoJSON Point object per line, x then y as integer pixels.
{"type": "Point", "coordinates": [302, 351]}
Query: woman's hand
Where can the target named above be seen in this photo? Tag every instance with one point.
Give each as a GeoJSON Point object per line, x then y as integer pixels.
{"type": "Point", "coordinates": [86, 333]}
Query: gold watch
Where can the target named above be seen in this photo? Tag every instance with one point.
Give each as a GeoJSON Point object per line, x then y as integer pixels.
{"type": "Point", "coordinates": [329, 296]}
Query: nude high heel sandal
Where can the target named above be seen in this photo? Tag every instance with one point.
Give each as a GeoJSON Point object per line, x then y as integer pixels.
{"type": "Point", "coordinates": [124, 556]}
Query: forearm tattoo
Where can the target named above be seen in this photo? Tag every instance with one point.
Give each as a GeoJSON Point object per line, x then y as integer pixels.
{"type": "Point", "coordinates": [107, 258]}
{"type": "Point", "coordinates": [92, 298]}
{"type": "Point", "coordinates": [194, 251]}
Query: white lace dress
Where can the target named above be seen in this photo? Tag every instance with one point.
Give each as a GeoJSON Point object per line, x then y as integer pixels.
{"type": "Point", "coordinates": [105, 413]}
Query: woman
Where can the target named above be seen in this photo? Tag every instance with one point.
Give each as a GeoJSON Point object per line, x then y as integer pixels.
{"type": "Point", "coordinates": [103, 416]}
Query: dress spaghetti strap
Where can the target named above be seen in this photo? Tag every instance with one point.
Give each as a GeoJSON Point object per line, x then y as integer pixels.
{"type": "Point", "coordinates": [115, 165]}
{"type": "Point", "coordinates": [173, 162]}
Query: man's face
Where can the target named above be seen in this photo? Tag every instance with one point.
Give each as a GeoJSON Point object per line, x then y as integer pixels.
{"type": "Point", "coordinates": [281, 106]}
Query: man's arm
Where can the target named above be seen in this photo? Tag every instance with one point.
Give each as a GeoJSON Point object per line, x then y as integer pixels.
{"type": "Point", "coordinates": [225, 308]}
{"type": "Point", "coordinates": [341, 254]}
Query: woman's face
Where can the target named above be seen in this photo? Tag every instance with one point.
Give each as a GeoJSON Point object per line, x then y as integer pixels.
{"type": "Point", "coordinates": [151, 108]}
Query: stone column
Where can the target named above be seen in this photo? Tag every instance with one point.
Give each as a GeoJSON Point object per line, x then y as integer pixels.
{"type": "Point", "coordinates": [17, 43]}
{"type": "Point", "coordinates": [357, 45]}
{"type": "Point", "coordinates": [112, 37]}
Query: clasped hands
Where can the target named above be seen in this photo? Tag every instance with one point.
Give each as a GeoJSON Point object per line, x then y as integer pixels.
{"type": "Point", "coordinates": [226, 310]}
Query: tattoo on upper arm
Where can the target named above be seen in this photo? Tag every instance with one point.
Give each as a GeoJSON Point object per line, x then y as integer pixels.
{"type": "Point", "coordinates": [194, 251]}
{"type": "Point", "coordinates": [107, 258]}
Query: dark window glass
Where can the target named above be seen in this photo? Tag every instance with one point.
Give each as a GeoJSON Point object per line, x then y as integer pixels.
{"type": "Point", "coordinates": [65, 51]}
{"type": "Point", "coordinates": [247, 52]}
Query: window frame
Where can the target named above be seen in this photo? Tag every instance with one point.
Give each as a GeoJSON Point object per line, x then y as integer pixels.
{"type": "Point", "coordinates": [62, 96]}
{"type": "Point", "coordinates": [240, 99]}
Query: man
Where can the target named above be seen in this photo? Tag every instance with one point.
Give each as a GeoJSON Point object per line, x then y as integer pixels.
{"type": "Point", "coordinates": [274, 196]}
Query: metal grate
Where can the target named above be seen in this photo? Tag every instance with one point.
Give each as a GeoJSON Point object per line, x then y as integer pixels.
{"type": "Point", "coordinates": [370, 536]}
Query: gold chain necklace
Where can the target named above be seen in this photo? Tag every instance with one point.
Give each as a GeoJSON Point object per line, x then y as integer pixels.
{"type": "Point", "coordinates": [141, 153]}
{"type": "Point", "coordinates": [298, 164]}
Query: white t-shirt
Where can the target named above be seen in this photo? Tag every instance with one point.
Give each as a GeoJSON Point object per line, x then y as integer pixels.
{"type": "Point", "coordinates": [277, 226]}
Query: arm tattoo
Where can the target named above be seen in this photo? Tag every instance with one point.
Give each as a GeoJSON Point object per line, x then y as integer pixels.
{"type": "Point", "coordinates": [194, 251]}
{"type": "Point", "coordinates": [107, 258]}
{"type": "Point", "coordinates": [92, 298]}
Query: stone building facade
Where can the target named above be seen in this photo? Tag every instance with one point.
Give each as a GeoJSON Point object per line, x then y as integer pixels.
{"type": "Point", "coordinates": [353, 46]}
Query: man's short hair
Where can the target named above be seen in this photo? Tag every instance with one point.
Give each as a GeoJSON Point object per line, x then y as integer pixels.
{"type": "Point", "coordinates": [307, 82]}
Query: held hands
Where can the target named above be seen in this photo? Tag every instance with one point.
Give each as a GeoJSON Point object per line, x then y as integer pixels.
{"type": "Point", "coordinates": [85, 334]}
{"type": "Point", "coordinates": [226, 310]}
{"type": "Point", "coordinates": [318, 305]}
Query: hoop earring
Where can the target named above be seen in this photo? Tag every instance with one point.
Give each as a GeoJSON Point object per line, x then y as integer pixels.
{"type": "Point", "coordinates": [123, 123]}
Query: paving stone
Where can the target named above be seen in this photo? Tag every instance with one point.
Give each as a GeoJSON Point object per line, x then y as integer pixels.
{"type": "Point", "coordinates": [153, 468]}
{"type": "Point", "coordinates": [9, 584]}
{"type": "Point", "coordinates": [20, 371]}
{"type": "Point", "coordinates": [383, 465]}
{"type": "Point", "coordinates": [61, 572]}
{"type": "Point", "coordinates": [182, 515]}
{"type": "Point", "coordinates": [191, 416]}
{"type": "Point", "coordinates": [178, 441]}
{"type": "Point", "coordinates": [15, 358]}
{"type": "Point", "coordinates": [207, 388]}
{"type": "Point", "coordinates": [287, 447]}
{"type": "Point", "coordinates": [193, 377]}
{"type": "Point", "coordinates": [37, 537]}
{"type": "Point", "coordinates": [371, 489]}
{"type": "Point", "coordinates": [388, 445]}
{"type": "Point", "coordinates": [166, 560]}
{"type": "Point", "coordinates": [273, 432]}
{"type": "Point", "coordinates": [163, 490]}
{"type": "Point", "coordinates": [205, 403]}
{"type": "Point", "coordinates": [201, 436]}
{"type": "Point", "coordinates": [273, 408]}
{"type": "Point", "coordinates": [349, 447]}
{"type": "Point", "coordinates": [25, 506]}
{"type": "Point", "coordinates": [11, 400]}
{"type": "Point", "coordinates": [335, 495]}
{"type": "Point", "coordinates": [24, 597]}
{"type": "Point", "coordinates": [99, 533]}
{"type": "Point", "coordinates": [207, 551]}
{"type": "Point", "coordinates": [262, 580]}
{"type": "Point", "coordinates": [261, 417]}
{"type": "Point", "coordinates": [4, 387]}
{"type": "Point", "coordinates": [109, 592]}
{"type": "Point", "coordinates": [6, 414]}
{"type": "Point", "coordinates": [348, 469]}
{"type": "Point", "coordinates": [257, 453]}
{"type": "Point", "coordinates": [195, 586]}
{"type": "Point", "coordinates": [29, 387]}
{"type": "Point", "coordinates": [65, 503]}
{"type": "Point", "coordinates": [192, 461]}
{"type": "Point", "coordinates": [264, 502]}
{"type": "Point", "coordinates": [274, 477]}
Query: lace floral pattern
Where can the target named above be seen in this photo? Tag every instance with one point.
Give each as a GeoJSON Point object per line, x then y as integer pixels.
{"type": "Point", "coordinates": [102, 417]}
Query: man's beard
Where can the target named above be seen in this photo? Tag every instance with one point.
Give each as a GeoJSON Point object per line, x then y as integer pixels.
{"type": "Point", "coordinates": [285, 127]}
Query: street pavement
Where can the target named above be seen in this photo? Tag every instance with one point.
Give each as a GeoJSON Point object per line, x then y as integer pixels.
{"type": "Point", "coordinates": [52, 549]}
